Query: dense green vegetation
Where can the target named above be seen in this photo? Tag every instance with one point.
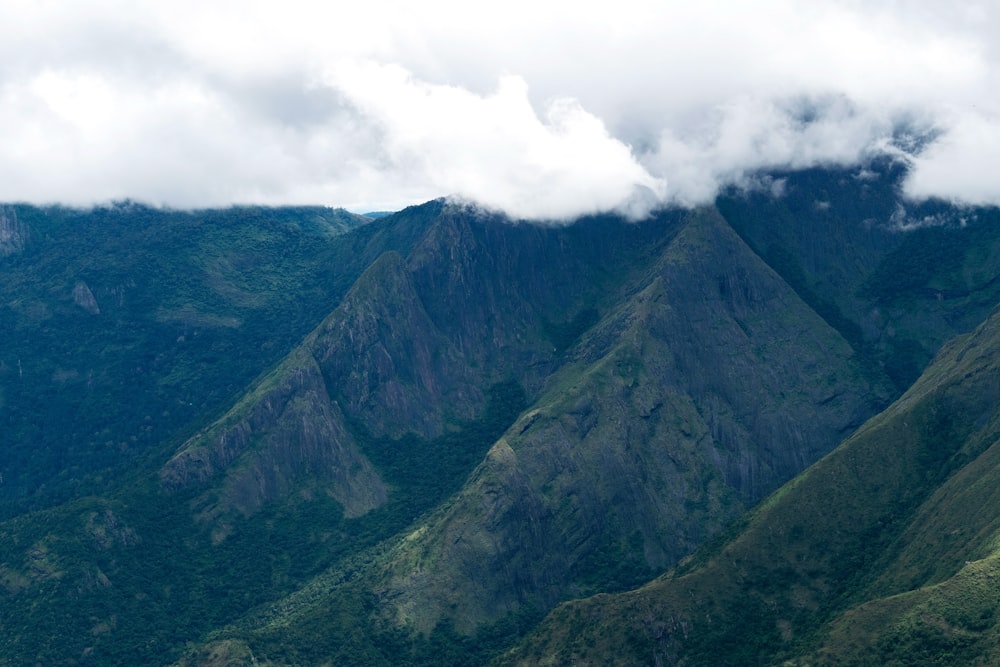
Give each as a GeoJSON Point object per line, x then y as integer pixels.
{"type": "Point", "coordinates": [152, 605]}
{"type": "Point", "coordinates": [881, 553]}
{"type": "Point", "coordinates": [564, 334]}
{"type": "Point", "coordinates": [425, 472]}
{"type": "Point", "coordinates": [189, 307]}
{"type": "Point", "coordinates": [633, 384]}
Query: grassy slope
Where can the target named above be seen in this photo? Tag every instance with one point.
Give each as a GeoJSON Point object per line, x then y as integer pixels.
{"type": "Point", "coordinates": [886, 533]}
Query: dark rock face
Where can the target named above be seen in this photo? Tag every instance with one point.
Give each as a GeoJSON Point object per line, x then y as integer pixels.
{"type": "Point", "coordinates": [701, 384]}
{"type": "Point", "coordinates": [412, 348]}
{"type": "Point", "coordinates": [416, 342]}
{"type": "Point", "coordinates": [704, 391]}
{"type": "Point", "coordinates": [13, 234]}
{"type": "Point", "coordinates": [83, 297]}
{"type": "Point", "coordinates": [384, 356]}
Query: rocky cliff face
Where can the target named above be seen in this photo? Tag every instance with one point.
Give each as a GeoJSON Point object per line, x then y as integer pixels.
{"type": "Point", "coordinates": [285, 434]}
{"type": "Point", "coordinates": [382, 354]}
{"type": "Point", "coordinates": [703, 392]}
{"type": "Point", "coordinates": [415, 344]}
{"type": "Point", "coordinates": [83, 297]}
{"type": "Point", "coordinates": [13, 234]}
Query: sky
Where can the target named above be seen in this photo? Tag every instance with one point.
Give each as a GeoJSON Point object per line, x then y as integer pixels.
{"type": "Point", "coordinates": [544, 110]}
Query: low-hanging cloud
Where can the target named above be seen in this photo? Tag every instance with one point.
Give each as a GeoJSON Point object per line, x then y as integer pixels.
{"type": "Point", "coordinates": [543, 110]}
{"type": "Point", "coordinates": [961, 164]}
{"type": "Point", "coordinates": [495, 149]}
{"type": "Point", "coordinates": [750, 134]}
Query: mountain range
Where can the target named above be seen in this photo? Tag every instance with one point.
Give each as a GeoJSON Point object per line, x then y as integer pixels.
{"type": "Point", "coordinates": [757, 432]}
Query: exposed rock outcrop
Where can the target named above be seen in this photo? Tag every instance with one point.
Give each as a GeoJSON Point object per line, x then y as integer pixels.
{"type": "Point", "coordinates": [702, 393]}
{"type": "Point", "coordinates": [13, 233]}
{"type": "Point", "coordinates": [83, 297]}
{"type": "Point", "coordinates": [286, 433]}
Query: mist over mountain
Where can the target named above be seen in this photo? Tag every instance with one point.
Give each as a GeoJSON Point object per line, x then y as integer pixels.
{"type": "Point", "coordinates": [302, 436]}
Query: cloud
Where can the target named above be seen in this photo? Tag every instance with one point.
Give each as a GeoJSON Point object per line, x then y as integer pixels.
{"type": "Point", "coordinates": [961, 164]}
{"type": "Point", "coordinates": [494, 148]}
{"type": "Point", "coordinates": [544, 110]}
{"type": "Point", "coordinates": [749, 134]}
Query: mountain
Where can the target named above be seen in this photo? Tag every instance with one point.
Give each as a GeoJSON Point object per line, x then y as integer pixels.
{"type": "Point", "coordinates": [408, 439]}
{"type": "Point", "coordinates": [884, 552]}
{"type": "Point", "coordinates": [641, 440]}
{"type": "Point", "coordinates": [122, 325]}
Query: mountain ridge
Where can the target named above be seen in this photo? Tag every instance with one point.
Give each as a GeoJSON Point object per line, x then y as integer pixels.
{"type": "Point", "coordinates": [485, 419]}
{"type": "Point", "coordinates": [538, 559]}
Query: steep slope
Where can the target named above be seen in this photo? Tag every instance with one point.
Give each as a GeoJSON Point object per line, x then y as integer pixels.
{"type": "Point", "coordinates": [680, 410]}
{"type": "Point", "coordinates": [881, 553]}
{"type": "Point", "coordinates": [896, 278]}
{"type": "Point", "coordinates": [705, 385]}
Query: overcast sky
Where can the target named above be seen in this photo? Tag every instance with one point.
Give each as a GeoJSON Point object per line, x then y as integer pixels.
{"type": "Point", "coordinates": [542, 109]}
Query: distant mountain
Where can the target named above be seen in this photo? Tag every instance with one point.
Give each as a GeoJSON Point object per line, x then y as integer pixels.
{"type": "Point", "coordinates": [122, 325]}
{"type": "Point", "coordinates": [895, 278]}
{"type": "Point", "coordinates": [408, 439]}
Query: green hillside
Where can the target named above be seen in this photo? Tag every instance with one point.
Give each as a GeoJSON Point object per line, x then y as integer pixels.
{"type": "Point", "coordinates": [301, 437]}
{"type": "Point", "coordinates": [882, 553]}
{"type": "Point", "coordinates": [124, 325]}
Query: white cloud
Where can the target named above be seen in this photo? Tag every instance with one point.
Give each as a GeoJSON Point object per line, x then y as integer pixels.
{"type": "Point", "coordinates": [494, 148]}
{"type": "Point", "coordinates": [962, 164]}
{"type": "Point", "coordinates": [542, 109]}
